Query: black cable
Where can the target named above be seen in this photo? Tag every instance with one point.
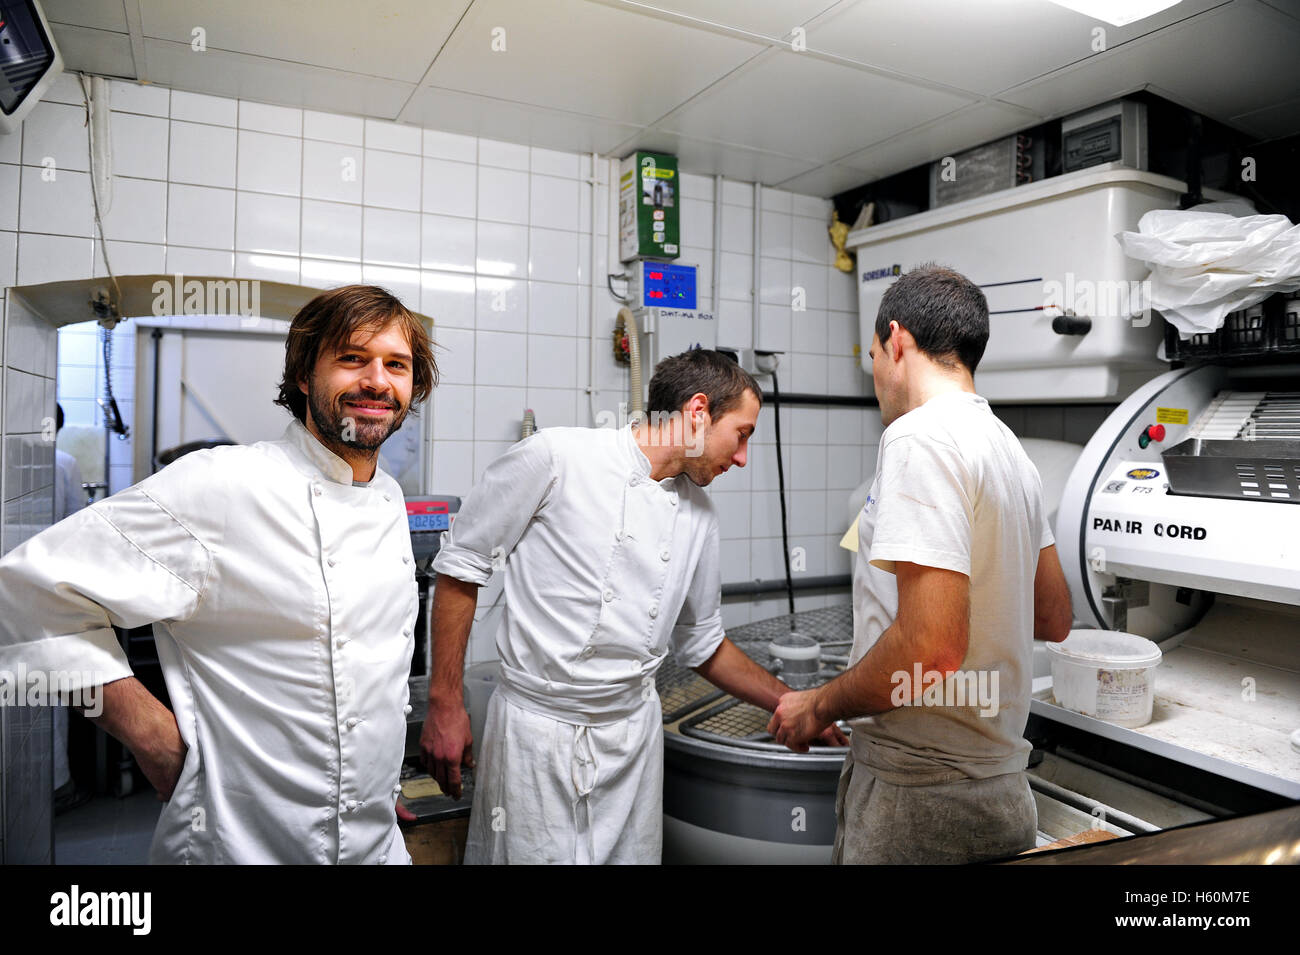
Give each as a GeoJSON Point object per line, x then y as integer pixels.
{"type": "Point", "coordinates": [780, 482]}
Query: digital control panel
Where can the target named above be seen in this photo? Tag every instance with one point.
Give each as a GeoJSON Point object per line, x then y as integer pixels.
{"type": "Point", "coordinates": [427, 514]}
{"type": "Point", "coordinates": [667, 285]}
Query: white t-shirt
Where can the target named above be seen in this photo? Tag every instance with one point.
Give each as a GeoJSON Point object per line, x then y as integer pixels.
{"type": "Point", "coordinates": [953, 489]}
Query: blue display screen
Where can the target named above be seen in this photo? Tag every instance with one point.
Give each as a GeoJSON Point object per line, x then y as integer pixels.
{"type": "Point", "coordinates": [428, 522]}
{"type": "Point", "coordinates": [666, 285]}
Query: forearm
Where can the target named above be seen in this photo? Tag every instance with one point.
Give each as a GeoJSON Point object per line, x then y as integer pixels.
{"type": "Point", "coordinates": [135, 717]}
{"type": "Point", "coordinates": [869, 687]}
{"type": "Point", "coordinates": [731, 670]}
{"type": "Point", "coordinates": [453, 617]}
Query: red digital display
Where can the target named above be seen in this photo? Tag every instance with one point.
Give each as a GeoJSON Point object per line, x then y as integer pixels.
{"type": "Point", "coordinates": [656, 275]}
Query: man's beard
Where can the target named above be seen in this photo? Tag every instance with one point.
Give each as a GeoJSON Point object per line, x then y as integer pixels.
{"type": "Point", "coordinates": [340, 429]}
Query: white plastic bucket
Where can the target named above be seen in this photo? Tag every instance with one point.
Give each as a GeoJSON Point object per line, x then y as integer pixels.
{"type": "Point", "coordinates": [1107, 674]}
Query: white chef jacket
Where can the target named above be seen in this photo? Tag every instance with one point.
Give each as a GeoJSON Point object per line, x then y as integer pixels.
{"type": "Point", "coordinates": [283, 600]}
{"type": "Point", "coordinates": [606, 571]}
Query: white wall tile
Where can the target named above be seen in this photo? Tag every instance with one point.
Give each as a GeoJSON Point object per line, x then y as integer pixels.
{"type": "Point", "coordinates": [453, 413]}
{"type": "Point", "coordinates": [202, 155]}
{"type": "Point", "coordinates": [737, 193]}
{"type": "Point", "coordinates": [267, 224]}
{"type": "Point", "coordinates": [8, 259]}
{"type": "Point", "coordinates": [331, 230]}
{"type": "Point", "coordinates": [9, 177]}
{"type": "Point", "coordinates": [735, 324]}
{"type": "Point", "coordinates": [555, 407]}
{"type": "Point", "coordinates": [391, 237]}
{"type": "Point", "coordinates": [552, 361]}
{"type": "Point", "coordinates": [501, 357]}
{"type": "Point", "coordinates": [332, 171]}
{"type": "Point", "coordinates": [200, 108]}
{"type": "Point", "coordinates": [450, 188]}
{"type": "Point", "coordinates": [333, 128]}
{"type": "Point", "coordinates": [506, 155]}
{"type": "Point", "coordinates": [269, 163]}
{"type": "Point", "coordinates": [812, 279]}
{"type": "Point", "coordinates": [392, 180]}
{"type": "Point", "coordinates": [737, 276]}
{"type": "Point", "coordinates": [842, 292]}
{"type": "Point", "coordinates": [806, 373]}
{"type": "Point", "coordinates": [267, 268]}
{"type": "Point", "coordinates": [62, 206]}
{"type": "Point", "coordinates": [138, 212]}
{"type": "Point", "coordinates": [440, 145]}
{"type": "Point", "coordinates": [447, 243]}
{"type": "Point", "coordinates": [737, 230]}
{"type": "Point", "coordinates": [773, 330]}
{"type": "Point", "coordinates": [553, 255]}
{"type": "Point", "coordinates": [200, 217]}
{"type": "Point", "coordinates": [139, 145]}
{"type": "Point", "coordinates": [132, 258]}
{"type": "Point", "coordinates": [199, 261]}
{"type": "Point", "coordinates": [264, 118]}
{"type": "Point", "coordinates": [453, 467]}
{"type": "Point", "coordinates": [777, 200]}
{"type": "Point", "coordinates": [56, 132]}
{"type": "Point", "coordinates": [810, 240]}
{"type": "Point", "coordinates": [555, 203]}
{"type": "Point", "coordinates": [455, 354]}
{"type": "Point", "coordinates": [774, 276]}
{"type": "Point", "coordinates": [697, 187]}
{"type": "Point", "coordinates": [498, 414]}
{"type": "Point", "coordinates": [140, 98]}
{"type": "Point", "coordinates": [449, 298]}
{"type": "Point", "coordinates": [404, 283]}
{"type": "Point", "coordinates": [330, 273]}
{"type": "Point", "coordinates": [845, 377]}
{"type": "Point", "coordinates": [776, 234]}
{"type": "Point", "coordinates": [696, 223]}
{"type": "Point", "coordinates": [394, 137]}
{"type": "Point", "coordinates": [808, 331]}
{"type": "Point", "coordinates": [552, 309]}
{"type": "Point", "coordinates": [51, 258]}
{"type": "Point", "coordinates": [844, 467]}
{"type": "Point", "coordinates": [502, 195]}
{"type": "Point", "coordinates": [11, 147]}
{"type": "Point", "coordinates": [502, 249]}
{"type": "Point", "coordinates": [554, 163]}
{"type": "Point", "coordinates": [502, 304]}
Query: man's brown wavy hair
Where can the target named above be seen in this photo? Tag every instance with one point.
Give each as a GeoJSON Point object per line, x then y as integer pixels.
{"type": "Point", "coordinates": [326, 324]}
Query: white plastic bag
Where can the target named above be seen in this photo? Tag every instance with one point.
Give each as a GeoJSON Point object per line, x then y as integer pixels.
{"type": "Point", "coordinates": [1214, 259]}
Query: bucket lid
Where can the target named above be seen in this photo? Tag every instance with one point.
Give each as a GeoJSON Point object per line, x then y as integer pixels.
{"type": "Point", "coordinates": [1107, 647]}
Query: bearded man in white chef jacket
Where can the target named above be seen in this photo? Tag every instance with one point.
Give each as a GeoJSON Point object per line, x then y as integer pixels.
{"type": "Point", "coordinates": [280, 583]}
{"type": "Point", "coordinates": [610, 547]}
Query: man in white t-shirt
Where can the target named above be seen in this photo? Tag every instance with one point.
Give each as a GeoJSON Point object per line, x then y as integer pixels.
{"type": "Point", "coordinates": [956, 576]}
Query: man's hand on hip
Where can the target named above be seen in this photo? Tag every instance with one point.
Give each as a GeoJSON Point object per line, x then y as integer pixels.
{"type": "Point", "coordinates": [447, 744]}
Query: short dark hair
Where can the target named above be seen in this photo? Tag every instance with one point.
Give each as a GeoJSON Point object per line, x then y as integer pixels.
{"type": "Point", "coordinates": [326, 323]}
{"type": "Point", "coordinates": [943, 310]}
{"type": "Point", "coordinates": [700, 371]}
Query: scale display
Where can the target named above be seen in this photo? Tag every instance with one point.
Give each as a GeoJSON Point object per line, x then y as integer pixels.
{"type": "Point", "coordinates": [428, 515]}
{"type": "Point", "coordinates": [665, 285]}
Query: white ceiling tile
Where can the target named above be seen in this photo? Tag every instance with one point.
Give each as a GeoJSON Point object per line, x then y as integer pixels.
{"type": "Point", "coordinates": [574, 55]}
{"type": "Point", "coordinates": [828, 180]}
{"type": "Point", "coordinates": [502, 120]}
{"type": "Point", "coordinates": [94, 51]}
{"type": "Point", "coordinates": [395, 40]}
{"type": "Point", "coordinates": [97, 14]}
{"type": "Point", "coordinates": [983, 47]}
{"type": "Point", "coordinates": [265, 80]}
{"type": "Point", "coordinates": [1270, 122]}
{"type": "Point", "coordinates": [706, 158]}
{"type": "Point", "coordinates": [770, 18]}
{"type": "Point", "coordinates": [941, 137]}
{"type": "Point", "coordinates": [801, 106]}
{"type": "Point", "coordinates": [1253, 69]}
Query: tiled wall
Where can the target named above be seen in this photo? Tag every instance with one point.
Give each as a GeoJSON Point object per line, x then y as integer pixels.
{"type": "Point", "coordinates": [27, 426]}
{"type": "Point", "coordinates": [488, 238]}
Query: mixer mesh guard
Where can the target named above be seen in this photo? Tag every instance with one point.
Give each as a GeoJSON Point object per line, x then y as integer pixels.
{"type": "Point", "coordinates": [731, 721]}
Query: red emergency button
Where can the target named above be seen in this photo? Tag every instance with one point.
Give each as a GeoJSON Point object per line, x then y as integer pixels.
{"type": "Point", "coordinates": [1153, 432]}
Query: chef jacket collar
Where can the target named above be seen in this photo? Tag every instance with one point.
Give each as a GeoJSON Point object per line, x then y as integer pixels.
{"type": "Point", "coordinates": [639, 463]}
{"type": "Point", "coordinates": [320, 457]}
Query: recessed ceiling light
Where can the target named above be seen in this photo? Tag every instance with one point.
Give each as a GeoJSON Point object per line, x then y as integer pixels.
{"type": "Point", "coordinates": [1117, 12]}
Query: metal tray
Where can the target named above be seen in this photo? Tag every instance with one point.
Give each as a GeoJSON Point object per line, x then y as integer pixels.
{"type": "Point", "coordinates": [1239, 470]}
